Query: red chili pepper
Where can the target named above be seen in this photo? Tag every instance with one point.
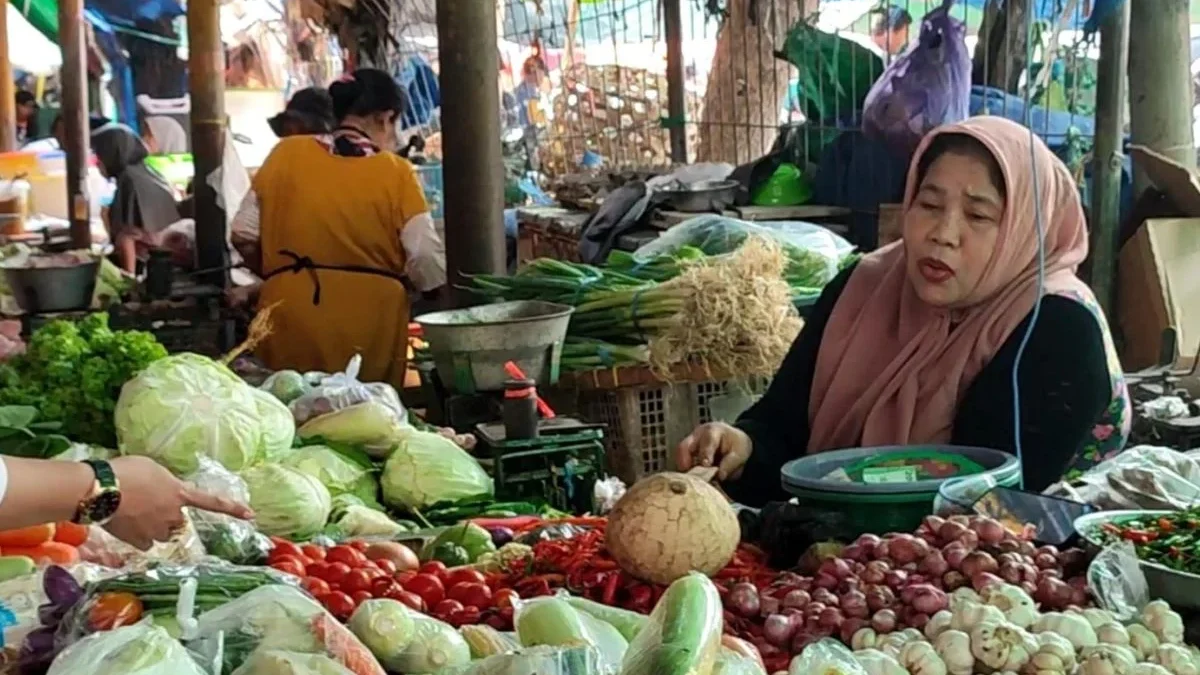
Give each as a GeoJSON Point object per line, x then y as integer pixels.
{"type": "Point", "coordinates": [609, 595]}
{"type": "Point", "coordinates": [1175, 552]}
{"type": "Point", "coordinates": [641, 598]}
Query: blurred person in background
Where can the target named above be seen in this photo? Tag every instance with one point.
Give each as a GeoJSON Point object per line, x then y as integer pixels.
{"type": "Point", "coordinates": [890, 31]}
{"type": "Point", "coordinates": [163, 135]}
{"type": "Point", "coordinates": [27, 110]}
{"type": "Point", "coordinates": [309, 112]}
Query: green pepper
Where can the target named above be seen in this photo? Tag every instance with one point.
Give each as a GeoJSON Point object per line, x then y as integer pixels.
{"type": "Point", "coordinates": [473, 539]}
{"type": "Point", "coordinates": [451, 554]}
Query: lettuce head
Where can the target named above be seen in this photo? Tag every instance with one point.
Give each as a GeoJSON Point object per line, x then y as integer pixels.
{"type": "Point", "coordinates": [186, 406]}
{"type": "Point", "coordinates": [287, 503]}
{"type": "Point", "coordinates": [338, 472]}
{"type": "Point", "coordinates": [426, 468]}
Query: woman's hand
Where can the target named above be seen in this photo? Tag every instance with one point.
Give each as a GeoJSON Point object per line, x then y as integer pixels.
{"type": "Point", "coordinates": [152, 502]}
{"type": "Point", "coordinates": [715, 444]}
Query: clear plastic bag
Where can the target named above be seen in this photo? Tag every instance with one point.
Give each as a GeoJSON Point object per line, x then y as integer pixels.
{"type": "Point", "coordinates": [291, 663]}
{"type": "Point", "coordinates": [553, 622]}
{"type": "Point", "coordinates": [141, 649]}
{"type": "Point", "coordinates": [538, 661]}
{"type": "Point", "coordinates": [343, 390]}
{"type": "Point", "coordinates": [690, 611]}
{"type": "Point", "coordinates": [277, 618]}
{"type": "Point", "coordinates": [1117, 581]}
{"type": "Point", "coordinates": [1142, 477]}
{"type": "Point", "coordinates": [926, 87]}
{"type": "Point", "coordinates": [957, 496]}
{"type": "Point", "coordinates": [184, 548]}
{"type": "Point", "coordinates": [828, 657]}
{"type": "Point", "coordinates": [226, 537]}
{"type": "Point", "coordinates": [730, 663]}
{"type": "Point", "coordinates": [286, 385]}
{"type": "Point", "coordinates": [813, 252]}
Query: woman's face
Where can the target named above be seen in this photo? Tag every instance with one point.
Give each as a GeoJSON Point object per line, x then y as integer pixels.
{"type": "Point", "coordinates": [950, 231]}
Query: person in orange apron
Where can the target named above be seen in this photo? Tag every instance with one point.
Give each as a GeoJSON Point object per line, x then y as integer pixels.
{"type": "Point", "coordinates": [338, 227]}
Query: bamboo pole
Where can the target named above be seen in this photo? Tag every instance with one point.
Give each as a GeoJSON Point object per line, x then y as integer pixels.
{"type": "Point", "coordinates": [1160, 87]}
{"type": "Point", "coordinates": [75, 118]}
{"type": "Point", "coordinates": [8, 107]}
{"type": "Point", "coordinates": [1111, 87]}
{"type": "Point", "coordinates": [206, 82]}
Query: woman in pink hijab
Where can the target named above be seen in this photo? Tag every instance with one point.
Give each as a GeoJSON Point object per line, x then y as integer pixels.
{"type": "Point", "coordinates": [917, 343]}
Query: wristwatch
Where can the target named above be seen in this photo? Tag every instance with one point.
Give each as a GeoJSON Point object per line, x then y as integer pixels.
{"type": "Point", "coordinates": [102, 501]}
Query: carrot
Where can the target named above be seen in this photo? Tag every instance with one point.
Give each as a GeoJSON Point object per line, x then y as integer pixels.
{"type": "Point", "coordinates": [27, 536]}
{"type": "Point", "coordinates": [343, 646]}
{"type": "Point", "coordinates": [50, 552]}
{"type": "Point", "coordinates": [70, 533]}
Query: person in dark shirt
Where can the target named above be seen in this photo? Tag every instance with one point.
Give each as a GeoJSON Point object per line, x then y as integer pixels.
{"type": "Point", "coordinates": [917, 343]}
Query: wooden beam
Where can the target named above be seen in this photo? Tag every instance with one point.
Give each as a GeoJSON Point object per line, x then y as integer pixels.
{"type": "Point", "coordinates": [206, 83]}
{"type": "Point", "coordinates": [8, 104]}
{"type": "Point", "coordinates": [75, 118]}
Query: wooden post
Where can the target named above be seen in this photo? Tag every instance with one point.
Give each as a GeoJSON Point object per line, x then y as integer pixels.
{"type": "Point", "coordinates": [206, 82]}
{"type": "Point", "coordinates": [75, 118]}
{"type": "Point", "coordinates": [473, 166]}
{"type": "Point", "coordinates": [1106, 171]}
{"type": "Point", "coordinates": [676, 92]}
{"type": "Point", "coordinates": [8, 103]}
{"type": "Point", "coordinates": [1160, 86]}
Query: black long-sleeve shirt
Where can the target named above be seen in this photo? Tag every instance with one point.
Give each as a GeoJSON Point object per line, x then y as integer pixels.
{"type": "Point", "coordinates": [1064, 388]}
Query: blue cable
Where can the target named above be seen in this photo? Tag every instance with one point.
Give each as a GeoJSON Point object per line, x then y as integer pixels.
{"type": "Point", "coordinates": [1041, 257]}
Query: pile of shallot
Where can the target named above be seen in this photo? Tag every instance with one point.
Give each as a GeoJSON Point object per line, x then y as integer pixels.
{"type": "Point", "coordinates": [899, 581]}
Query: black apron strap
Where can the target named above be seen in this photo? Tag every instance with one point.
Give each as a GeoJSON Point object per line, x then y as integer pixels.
{"type": "Point", "coordinates": [305, 263]}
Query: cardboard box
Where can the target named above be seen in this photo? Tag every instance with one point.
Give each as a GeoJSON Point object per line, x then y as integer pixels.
{"type": "Point", "coordinates": [1158, 287]}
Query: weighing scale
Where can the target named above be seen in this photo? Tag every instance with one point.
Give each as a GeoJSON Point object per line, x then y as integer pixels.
{"type": "Point", "coordinates": [559, 467]}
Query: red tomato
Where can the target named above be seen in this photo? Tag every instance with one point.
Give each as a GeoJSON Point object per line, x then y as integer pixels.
{"type": "Point", "coordinates": [387, 566]}
{"type": "Point", "coordinates": [505, 597]}
{"type": "Point", "coordinates": [471, 595]}
{"type": "Point", "coordinates": [335, 573]}
{"type": "Point", "coordinates": [357, 580]}
{"type": "Point", "coordinates": [313, 552]}
{"type": "Point", "coordinates": [339, 604]}
{"type": "Point", "coordinates": [289, 565]}
{"type": "Point", "coordinates": [444, 609]}
{"type": "Point", "coordinates": [317, 569]}
{"type": "Point", "coordinates": [404, 577]}
{"type": "Point", "coordinates": [375, 573]}
{"type": "Point", "coordinates": [284, 547]}
{"type": "Point", "coordinates": [346, 555]}
{"type": "Point", "coordinates": [427, 586]}
{"type": "Point", "coordinates": [464, 575]}
{"type": "Point", "coordinates": [358, 545]}
{"type": "Point", "coordinates": [412, 601]}
{"type": "Point", "coordinates": [359, 597]}
{"type": "Point", "coordinates": [434, 567]}
{"type": "Point", "coordinates": [506, 613]}
{"type": "Point", "coordinates": [387, 588]}
{"type": "Point", "coordinates": [467, 616]}
{"type": "Point", "coordinates": [317, 587]}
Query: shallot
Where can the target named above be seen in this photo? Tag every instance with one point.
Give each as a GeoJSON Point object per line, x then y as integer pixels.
{"type": "Point", "coordinates": [927, 600]}
{"type": "Point", "coordinates": [797, 599]}
{"type": "Point", "coordinates": [884, 621]}
{"type": "Point", "coordinates": [978, 562]}
{"type": "Point", "coordinates": [743, 599]}
{"type": "Point", "coordinates": [778, 630]}
{"type": "Point", "coordinates": [854, 604]}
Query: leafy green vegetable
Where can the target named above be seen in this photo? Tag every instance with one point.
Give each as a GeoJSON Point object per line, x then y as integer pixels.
{"type": "Point", "coordinates": [72, 372]}
{"type": "Point", "coordinates": [473, 539]}
{"type": "Point", "coordinates": [287, 502]}
{"type": "Point", "coordinates": [186, 406]}
{"type": "Point", "coordinates": [427, 468]}
{"type": "Point", "coordinates": [22, 436]}
{"type": "Point", "coordinates": [336, 471]}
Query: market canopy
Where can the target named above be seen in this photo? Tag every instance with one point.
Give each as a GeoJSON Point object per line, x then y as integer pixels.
{"type": "Point", "coordinates": [104, 14]}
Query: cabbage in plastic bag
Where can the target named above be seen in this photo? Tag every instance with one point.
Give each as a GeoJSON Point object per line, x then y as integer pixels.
{"type": "Point", "coordinates": [275, 662]}
{"type": "Point", "coordinates": [926, 87]}
{"type": "Point", "coordinates": [536, 661]}
{"type": "Point", "coordinates": [185, 406]}
{"type": "Point", "coordinates": [224, 536]}
{"type": "Point", "coordinates": [370, 425]}
{"type": "Point", "coordinates": [435, 648]}
{"type": "Point", "coordinates": [426, 468]}
{"type": "Point", "coordinates": [279, 619]}
{"type": "Point", "coordinates": [343, 390]}
{"type": "Point", "coordinates": [142, 649]}
{"type": "Point", "coordinates": [286, 502]}
{"type": "Point", "coordinates": [286, 385]}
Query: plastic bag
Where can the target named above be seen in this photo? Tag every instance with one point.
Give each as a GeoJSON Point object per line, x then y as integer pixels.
{"type": "Point", "coordinates": [343, 390]}
{"type": "Point", "coordinates": [143, 649]}
{"type": "Point", "coordinates": [812, 251]}
{"type": "Point", "coordinates": [226, 537]}
{"type": "Point", "coordinates": [277, 618]}
{"type": "Point", "coordinates": [538, 661]}
{"type": "Point", "coordinates": [1117, 581]}
{"type": "Point", "coordinates": [828, 657]}
{"type": "Point", "coordinates": [730, 663]}
{"type": "Point", "coordinates": [928, 86]}
{"type": "Point", "coordinates": [1142, 477]}
{"type": "Point", "coordinates": [280, 662]}
{"type": "Point", "coordinates": [184, 548]}
{"type": "Point", "coordinates": [689, 612]}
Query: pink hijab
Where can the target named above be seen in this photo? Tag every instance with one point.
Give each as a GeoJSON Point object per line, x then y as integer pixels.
{"type": "Point", "coordinates": [890, 371]}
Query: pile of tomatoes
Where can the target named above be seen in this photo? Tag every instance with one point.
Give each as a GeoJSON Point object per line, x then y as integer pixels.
{"type": "Point", "coordinates": [343, 577]}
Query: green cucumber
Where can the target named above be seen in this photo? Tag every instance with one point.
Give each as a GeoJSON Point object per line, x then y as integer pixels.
{"type": "Point", "coordinates": [690, 613]}
{"type": "Point", "coordinates": [627, 623]}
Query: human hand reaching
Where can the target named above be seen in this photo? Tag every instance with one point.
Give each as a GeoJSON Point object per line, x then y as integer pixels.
{"type": "Point", "coordinates": [716, 444]}
{"type": "Point", "coordinates": [153, 499]}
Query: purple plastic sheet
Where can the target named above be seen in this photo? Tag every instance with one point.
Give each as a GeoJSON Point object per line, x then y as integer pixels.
{"type": "Point", "coordinates": [927, 86]}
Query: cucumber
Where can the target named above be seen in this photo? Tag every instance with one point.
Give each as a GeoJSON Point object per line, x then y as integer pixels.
{"type": "Point", "coordinates": [627, 623]}
{"type": "Point", "coordinates": [15, 566]}
{"type": "Point", "coordinates": [690, 617]}
{"type": "Point", "coordinates": [551, 622]}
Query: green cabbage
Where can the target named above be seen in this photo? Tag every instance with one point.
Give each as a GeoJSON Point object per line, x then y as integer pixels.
{"type": "Point", "coordinates": [337, 472]}
{"type": "Point", "coordinates": [427, 468]}
{"type": "Point", "coordinates": [286, 385]}
{"type": "Point", "coordinates": [187, 406]}
{"type": "Point", "coordinates": [141, 649]}
{"type": "Point", "coordinates": [371, 425]}
{"type": "Point", "coordinates": [274, 662]}
{"type": "Point", "coordinates": [286, 502]}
